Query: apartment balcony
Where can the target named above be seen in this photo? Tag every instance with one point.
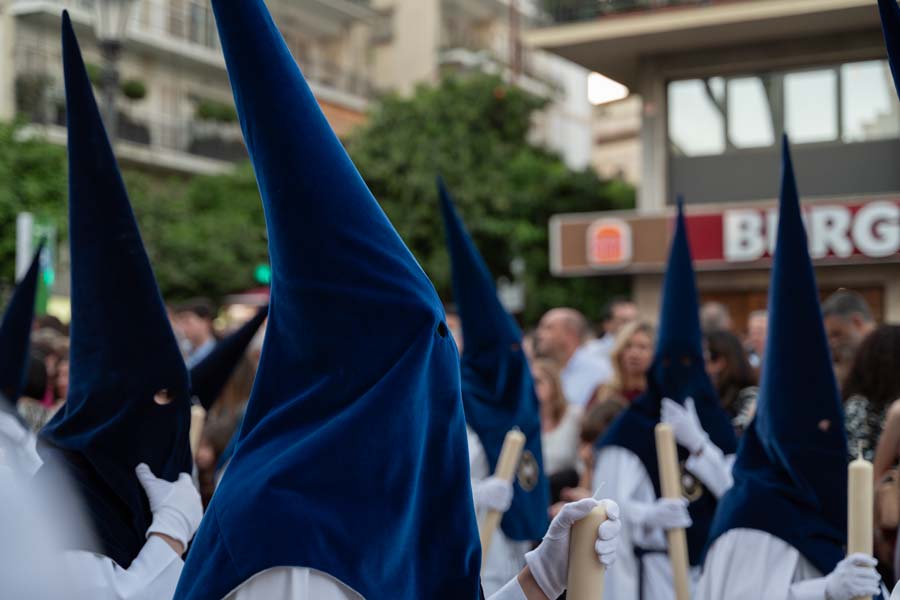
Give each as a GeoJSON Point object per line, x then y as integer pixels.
{"type": "Point", "coordinates": [321, 18]}
{"type": "Point", "coordinates": [476, 9]}
{"type": "Point", "coordinates": [154, 141]}
{"type": "Point", "coordinates": [611, 36]}
{"type": "Point", "coordinates": [183, 34]}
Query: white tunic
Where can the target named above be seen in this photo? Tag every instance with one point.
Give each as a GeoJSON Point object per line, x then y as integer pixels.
{"type": "Point", "coordinates": [620, 475]}
{"type": "Point", "coordinates": [505, 557]}
{"type": "Point", "coordinates": [295, 583]}
{"type": "Point", "coordinates": [747, 564]}
{"type": "Point", "coordinates": [153, 575]}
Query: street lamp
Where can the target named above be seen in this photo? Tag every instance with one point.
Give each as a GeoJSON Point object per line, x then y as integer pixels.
{"type": "Point", "coordinates": [110, 23]}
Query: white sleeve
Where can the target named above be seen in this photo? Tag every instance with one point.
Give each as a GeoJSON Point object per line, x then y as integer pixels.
{"type": "Point", "coordinates": [621, 476]}
{"type": "Point", "coordinates": [296, 583]}
{"type": "Point", "coordinates": [478, 463]}
{"type": "Point", "coordinates": [510, 591]}
{"type": "Point", "coordinates": [712, 468]}
{"type": "Point", "coordinates": [811, 589]}
{"type": "Point", "coordinates": [153, 575]}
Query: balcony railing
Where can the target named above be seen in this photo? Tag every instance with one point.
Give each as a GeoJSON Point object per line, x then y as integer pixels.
{"type": "Point", "coordinates": [40, 101]}
{"type": "Point", "coordinates": [567, 11]}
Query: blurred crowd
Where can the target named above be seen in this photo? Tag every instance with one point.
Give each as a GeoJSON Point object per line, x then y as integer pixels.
{"type": "Point", "coordinates": [198, 326]}
{"type": "Point", "coordinates": [585, 374]}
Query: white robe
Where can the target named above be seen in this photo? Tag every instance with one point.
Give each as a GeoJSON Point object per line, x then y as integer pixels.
{"type": "Point", "coordinates": [620, 475]}
{"type": "Point", "coordinates": [296, 583]}
{"type": "Point", "coordinates": [747, 564]}
{"type": "Point", "coordinates": [153, 575]}
{"type": "Point", "coordinates": [505, 557]}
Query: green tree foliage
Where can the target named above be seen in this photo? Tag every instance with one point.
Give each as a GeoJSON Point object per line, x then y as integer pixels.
{"type": "Point", "coordinates": [204, 235]}
{"type": "Point", "coordinates": [473, 130]}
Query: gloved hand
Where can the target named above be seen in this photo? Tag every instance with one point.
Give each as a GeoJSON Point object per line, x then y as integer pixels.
{"type": "Point", "coordinates": [176, 507]}
{"type": "Point", "coordinates": [668, 513]}
{"type": "Point", "coordinates": [853, 577]}
{"type": "Point", "coordinates": [685, 423]}
{"type": "Point", "coordinates": [492, 493]}
{"type": "Point", "coordinates": [549, 562]}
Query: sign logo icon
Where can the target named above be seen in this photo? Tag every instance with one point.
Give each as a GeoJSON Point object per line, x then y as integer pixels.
{"type": "Point", "coordinates": [609, 243]}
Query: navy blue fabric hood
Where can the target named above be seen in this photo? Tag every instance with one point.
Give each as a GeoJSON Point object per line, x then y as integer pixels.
{"type": "Point", "coordinates": [790, 475]}
{"type": "Point", "coordinates": [209, 376]}
{"type": "Point", "coordinates": [498, 393]}
{"type": "Point", "coordinates": [358, 383]}
{"type": "Point", "coordinates": [122, 349]}
{"type": "Point", "coordinates": [15, 332]}
{"type": "Point", "coordinates": [678, 371]}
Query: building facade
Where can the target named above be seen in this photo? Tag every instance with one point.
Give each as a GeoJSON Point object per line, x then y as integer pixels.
{"type": "Point", "coordinates": [175, 112]}
{"type": "Point", "coordinates": [418, 41]}
{"type": "Point", "coordinates": [718, 83]}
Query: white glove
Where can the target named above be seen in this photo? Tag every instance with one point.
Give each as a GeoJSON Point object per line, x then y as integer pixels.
{"type": "Point", "coordinates": [492, 493]}
{"type": "Point", "coordinates": [176, 507]}
{"type": "Point", "coordinates": [668, 513]}
{"type": "Point", "coordinates": [685, 423]}
{"type": "Point", "coordinates": [853, 577]}
{"type": "Point", "coordinates": [549, 562]}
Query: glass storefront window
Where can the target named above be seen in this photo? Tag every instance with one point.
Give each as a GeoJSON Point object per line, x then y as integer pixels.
{"type": "Point", "coordinates": [696, 118]}
{"type": "Point", "coordinates": [869, 108]}
{"type": "Point", "coordinates": [810, 103]}
{"type": "Point", "coordinates": [750, 123]}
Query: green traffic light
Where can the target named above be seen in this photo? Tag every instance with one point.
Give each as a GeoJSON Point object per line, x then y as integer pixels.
{"type": "Point", "coordinates": [263, 274]}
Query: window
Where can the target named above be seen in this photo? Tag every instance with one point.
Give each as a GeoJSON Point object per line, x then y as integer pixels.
{"type": "Point", "coordinates": [810, 100]}
{"type": "Point", "coordinates": [869, 107]}
{"type": "Point", "coordinates": [696, 118]}
{"type": "Point", "coordinates": [849, 103]}
{"type": "Point", "coordinates": [749, 114]}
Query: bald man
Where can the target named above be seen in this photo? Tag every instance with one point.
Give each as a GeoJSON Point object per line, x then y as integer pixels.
{"type": "Point", "coordinates": [562, 335]}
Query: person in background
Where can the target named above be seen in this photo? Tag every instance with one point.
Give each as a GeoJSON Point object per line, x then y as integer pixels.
{"type": "Point", "coordinates": [194, 321]}
{"type": "Point", "coordinates": [596, 421]}
{"type": "Point", "coordinates": [454, 324]}
{"type": "Point", "coordinates": [631, 358]}
{"type": "Point", "coordinates": [560, 423]}
{"type": "Point", "coordinates": [757, 330]}
{"type": "Point", "coordinates": [714, 316]}
{"type": "Point", "coordinates": [870, 389]}
{"type": "Point", "coordinates": [731, 373]}
{"type": "Point", "coordinates": [848, 320]}
{"type": "Point", "coordinates": [617, 313]}
{"type": "Point", "coordinates": [562, 335]}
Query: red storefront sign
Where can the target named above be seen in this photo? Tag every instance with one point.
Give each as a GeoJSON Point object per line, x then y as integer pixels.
{"type": "Point", "coordinates": [724, 237]}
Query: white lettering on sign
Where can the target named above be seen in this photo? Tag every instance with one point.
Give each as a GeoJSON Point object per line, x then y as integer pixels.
{"type": "Point", "coordinates": [744, 236]}
{"type": "Point", "coordinates": [830, 226]}
{"type": "Point", "coordinates": [874, 231]}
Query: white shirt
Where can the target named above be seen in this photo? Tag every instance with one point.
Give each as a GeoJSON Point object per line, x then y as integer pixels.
{"type": "Point", "coordinates": [601, 348]}
{"type": "Point", "coordinates": [18, 446]}
{"type": "Point", "coordinates": [560, 446]}
{"type": "Point", "coordinates": [583, 374]}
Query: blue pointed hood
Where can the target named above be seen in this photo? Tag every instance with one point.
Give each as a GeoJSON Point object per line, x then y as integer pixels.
{"type": "Point", "coordinates": [678, 371]}
{"type": "Point", "coordinates": [890, 27]}
{"type": "Point", "coordinates": [122, 349]}
{"type": "Point", "coordinates": [209, 376]}
{"type": "Point", "coordinates": [790, 476]}
{"type": "Point", "coordinates": [358, 379]}
{"type": "Point", "coordinates": [15, 332]}
{"type": "Point", "coordinates": [498, 393]}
